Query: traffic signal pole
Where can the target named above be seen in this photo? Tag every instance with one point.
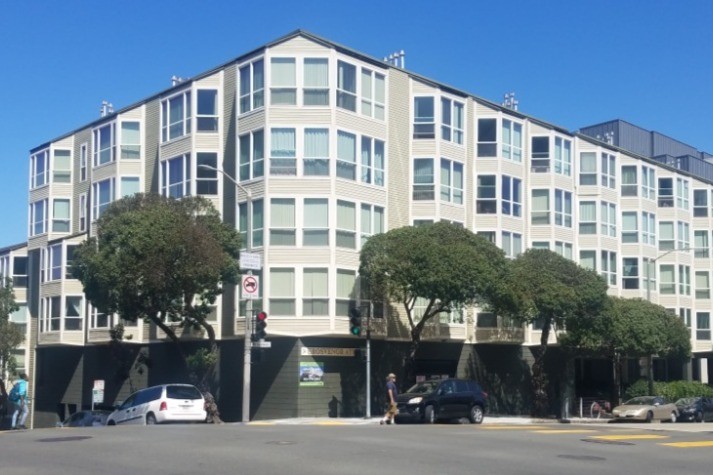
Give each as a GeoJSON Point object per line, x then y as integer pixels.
{"type": "Point", "coordinates": [368, 361]}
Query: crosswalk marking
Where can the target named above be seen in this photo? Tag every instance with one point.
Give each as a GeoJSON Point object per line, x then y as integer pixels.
{"type": "Point", "coordinates": [564, 431]}
{"type": "Point", "coordinates": [629, 437]}
{"type": "Point", "coordinates": [521, 427]}
{"type": "Point", "coordinates": [698, 443]}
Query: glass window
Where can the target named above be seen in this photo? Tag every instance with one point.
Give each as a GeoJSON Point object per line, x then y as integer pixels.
{"type": "Point", "coordinates": [588, 168]}
{"type": "Point", "coordinates": [38, 217]}
{"type": "Point", "coordinates": [69, 260]}
{"type": "Point", "coordinates": [588, 259]}
{"type": "Point", "coordinates": [630, 273]}
{"type": "Point", "coordinates": [684, 235]}
{"type": "Point", "coordinates": [451, 181]}
{"type": "Point", "coordinates": [282, 221]}
{"type": "Point", "coordinates": [316, 82]}
{"type": "Point", "coordinates": [540, 162]}
{"type": "Point", "coordinates": [629, 227]}
{"type": "Point", "coordinates": [19, 271]}
{"type": "Point", "coordinates": [667, 239]}
{"type": "Point", "coordinates": [701, 244]}
{"type": "Point", "coordinates": [176, 116]}
{"type": "Point", "coordinates": [130, 140]}
{"type": "Point", "coordinates": [703, 285]}
{"type": "Point", "coordinates": [648, 183]}
{"type": "Point", "coordinates": [372, 221]}
{"type": "Point", "coordinates": [176, 176]}
{"type": "Point", "coordinates": [316, 152]}
{"type": "Point", "coordinates": [60, 215]}
{"type": "Point", "coordinates": [487, 137]}
{"type": "Point", "coordinates": [629, 186]}
{"type": "Point", "coordinates": [283, 90]}
{"type": "Point", "coordinates": [102, 196]}
{"type": "Point", "coordinates": [207, 110]}
{"type": "Point", "coordinates": [424, 118]}
{"type": "Point", "coordinates": [346, 155]}
{"type": "Point", "coordinates": [62, 166]}
{"type": "Point", "coordinates": [39, 163]}
{"type": "Point", "coordinates": [346, 86]}
{"type": "Point", "coordinates": [540, 207]}
{"type": "Point", "coordinates": [346, 292]}
{"type": "Point", "coordinates": [588, 217]}
{"type": "Point", "coordinates": [206, 178]}
{"type": "Point", "coordinates": [665, 192]}
{"type": "Point", "coordinates": [316, 222]}
{"type": "Point", "coordinates": [667, 285]}
{"type": "Point", "coordinates": [83, 162]}
{"type": "Point", "coordinates": [563, 156]}
{"type": "Point", "coordinates": [282, 292]}
{"type": "Point", "coordinates": [315, 292]}
{"type": "Point", "coordinates": [372, 94]}
{"type": "Point", "coordinates": [129, 186]}
{"type": "Point", "coordinates": [512, 140]}
{"type": "Point", "coordinates": [54, 264]}
{"type": "Point", "coordinates": [608, 217]}
{"type": "Point", "coordinates": [423, 180]}
{"type": "Point", "coordinates": [372, 161]}
{"type": "Point", "coordinates": [346, 224]}
{"type": "Point", "coordinates": [703, 326]}
{"type": "Point", "coordinates": [648, 228]}
{"type": "Point", "coordinates": [511, 244]}
{"type": "Point", "coordinates": [700, 203]}
{"type": "Point", "coordinates": [682, 192]}
{"type": "Point", "coordinates": [252, 155]}
{"type": "Point", "coordinates": [282, 152]}
{"type": "Point", "coordinates": [608, 266]}
{"type": "Point", "coordinates": [511, 196]}
{"type": "Point", "coordinates": [486, 201]}
{"type": "Point", "coordinates": [684, 280]}
{"type": "Point", "coordinates": [451, 121]}
{"type": "Point", "coordinates": [608, 170]}
{"type": "Point", "coordinates": [104, 145]}
{"type": "Point", "coordinates": [563, 208]}
{"type": "Point", "coordinates": [83, 212]}
{"type": "Point", "coordinates": [73, 313]}
{"type": "Point", "coordinates": [564, 249]}
{"type": "Point", "coordinates": [257, 223]}
{"type": "Point", "coordinates": [252, 86]}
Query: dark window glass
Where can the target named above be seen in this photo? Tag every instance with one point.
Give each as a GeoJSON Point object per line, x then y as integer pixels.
{"type": "Point", "coordinates": [182, 392]}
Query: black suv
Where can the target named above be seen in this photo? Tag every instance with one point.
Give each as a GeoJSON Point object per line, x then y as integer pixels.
{"type": "Point", "coordinates": [432, 400]}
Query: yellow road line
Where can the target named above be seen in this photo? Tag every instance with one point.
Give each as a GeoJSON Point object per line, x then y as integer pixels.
{"type": "Point", "coordinates": [329, 423]}
{"type": "Point", "coordinates": [522, 427]}
{"type": "Point", "coordinates": [630, 437]}
{"type": "Point", "coordinates": [700, 443]}
{"type": "Point", "coordinates": [564, 431]}
{"type": "Point", "coordinates": [261, 423]}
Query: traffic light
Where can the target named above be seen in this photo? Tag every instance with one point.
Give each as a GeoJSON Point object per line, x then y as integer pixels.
{"type": "Point", "coordinates": [259, 332]}
{"type": "Point", "coordinates": [354, 321]}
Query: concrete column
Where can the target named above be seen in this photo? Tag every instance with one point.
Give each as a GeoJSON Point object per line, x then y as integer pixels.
{"type": "Point", "coordinates": [704, 370]}
{"type": "Point", "coordinates": [688, 370]}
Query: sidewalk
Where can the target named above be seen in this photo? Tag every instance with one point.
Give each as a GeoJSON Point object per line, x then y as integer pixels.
{"type": "Point", "coordinates": [338, 421]}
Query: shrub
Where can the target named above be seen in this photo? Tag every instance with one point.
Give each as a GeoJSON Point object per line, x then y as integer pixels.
{"type": "Point", "coordinates": [672, 390]}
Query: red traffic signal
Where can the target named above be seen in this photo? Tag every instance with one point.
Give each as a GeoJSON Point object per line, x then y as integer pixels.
{"type": "Point", "coordinates": [259, 332]}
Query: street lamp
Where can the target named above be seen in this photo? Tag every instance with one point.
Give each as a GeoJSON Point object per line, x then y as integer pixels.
{"type": "Point", "coordinates": [249, 303]}
{"type": "Point", "coordinates": [652, 262]}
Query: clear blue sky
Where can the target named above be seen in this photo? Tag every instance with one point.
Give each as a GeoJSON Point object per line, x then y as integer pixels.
{"type": "Point", "coordinates": [571, 63]}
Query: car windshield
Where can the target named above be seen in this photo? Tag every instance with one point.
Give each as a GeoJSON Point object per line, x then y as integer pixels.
{"type": "Point", "coordinates": [182, 392]}
{"type": "Point", "coordinates": [686, 401]}
{"type": "Point", "coordinates": [423, 387]}
{"type": "Point", "coordinates": [640, 401]}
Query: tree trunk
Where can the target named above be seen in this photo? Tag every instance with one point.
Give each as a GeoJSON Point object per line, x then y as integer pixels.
{"type": "Point", "coordinates": [540, 406]}
{"type": "Point", "coordinates": [409, 377]}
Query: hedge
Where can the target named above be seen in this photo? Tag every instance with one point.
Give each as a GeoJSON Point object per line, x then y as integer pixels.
{"type": "Point", "coordinates": [672, 390]}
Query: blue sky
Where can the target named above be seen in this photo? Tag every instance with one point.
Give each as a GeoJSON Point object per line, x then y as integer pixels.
{"type": "Point", "coordinates": [571, 63]}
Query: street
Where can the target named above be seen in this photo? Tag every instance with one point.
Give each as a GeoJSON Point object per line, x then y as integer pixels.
{"type": "Point", "coordinates": [326, 448]}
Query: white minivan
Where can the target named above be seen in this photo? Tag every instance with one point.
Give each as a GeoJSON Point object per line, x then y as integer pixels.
{"type": "Point", "coordinates": [160, 404]}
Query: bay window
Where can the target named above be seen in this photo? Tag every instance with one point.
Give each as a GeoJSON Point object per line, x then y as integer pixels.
{"type": "Point", "coordinates": [176, 176]}
{"type": "Point", "coordinates": [346, 86]}
{"type": "Point", "coordinates": [104, 144]}
{"type": "Point", "coordinates": [130, 140]}
{"type": "Point", "coordinates": [316, 152]}
{"type": "Point", "coordinates": [206, 178]}
{"type": "Point", "coordinates": [283, 85]}
{"type": "Point", "coordinates": [282, 221]}
{"type": "Point", "coordinates": [511, 195]}
{"type": "Point", "coordinates": [282, 292]}
{"type": "Point", "coordinates": [315, 292]}
{"type": "Point", "coordinates": [540, 161]}
{"type": "Point", "coordinates": [252, 86]}
{"type": "Point", "coordinates": [486, 198]}
{"type": "Point", "coordinates": [102, 196]}
{"type": "Point", "coordinates": [487, 137]}
{"type": "Point", "coordinates": [346, 224]}
{"type": "Point", "coordinates": [60, 215]}
{"type": "Point", "coordinates": [424, 119]}
{"type": "Point", "coordinates": [373, 94]}
{"type": "Point", "coordinates": [423, 179]}
{"type": "Point", "coordinates": [207, 110]}
{"type": "Point", "coordinates": [62, 166]}
{"type": "Point", "coordinates": [316, 82]}
{"type": "Point", "coordinates": [511, 140]}
{"type": "Point", "coordinates": [39, 168]}
{"type": "Point", "coordinates": [316, 222]}
{"type": "Point", "coordinates": [451, 181]}
{"type": "Point", "coordinates": [346, 292]}
{"type": "Point", "coordinates": [176, 116]}
{"type": "Point", "coordinates": [283, 152]}
{"type": "Point", "coordinates": [252, 155]}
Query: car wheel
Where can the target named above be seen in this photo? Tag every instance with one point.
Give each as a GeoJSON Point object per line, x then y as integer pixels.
{"type": "Point", "coordinates": [698, 417]}
{"type": "Point", "coordinates": [111, 423]}
{"type": "Point", "coordinates": [649, 416]}
{"type": "Point", "coordinates": [476, 414]}
{"type": "Point", "coordinates": [150, 419]}
{"type": "Point", "coordinates": [429, 415]}
{"type": "Point", "coordinates": [673, 417]}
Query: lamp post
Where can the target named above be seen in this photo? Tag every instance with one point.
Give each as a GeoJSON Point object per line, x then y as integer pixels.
{"type": "Point", "coordinates": [249, 303]}
{"type": "Point", "coordinates": [652, 262]}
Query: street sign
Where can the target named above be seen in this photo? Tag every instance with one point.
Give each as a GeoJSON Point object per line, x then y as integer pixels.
{"type": "Point", "coordinates": [99, 384]}
{"type": "Point", "coordinates": [97, 396]}
{"type": "Point", "coordinates": [251, 287]}
{"type": "Point", "coordinates": [262, 344]}
{"type": "Point", "coordinates": [250, 261]}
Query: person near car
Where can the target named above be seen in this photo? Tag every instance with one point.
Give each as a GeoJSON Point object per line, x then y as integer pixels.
{"type": "Point", "coordinates": [391, 393]}
{"type": "Point", "coordinates": [18, 396]}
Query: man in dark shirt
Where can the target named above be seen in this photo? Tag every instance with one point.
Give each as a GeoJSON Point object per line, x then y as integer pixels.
{"type": "Point", "coordinates": [391, 393]}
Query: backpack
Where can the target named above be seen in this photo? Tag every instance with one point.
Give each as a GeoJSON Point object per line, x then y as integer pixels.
{"type": "Point", "coordinates": [14, 395]}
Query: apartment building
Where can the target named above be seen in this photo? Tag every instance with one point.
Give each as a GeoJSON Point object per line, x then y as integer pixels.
{"type": "Point", "coordinates": [336, 146]}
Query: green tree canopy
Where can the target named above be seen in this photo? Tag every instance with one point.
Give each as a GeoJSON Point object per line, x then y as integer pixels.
{"type": "Point", "coordinates": [10, 335]}
{"type": "Point", "coordinates": [553, 291]}
{"type": "Point", "coordinates": [445, 265]}
{"type": "Point", "coordinates": [159, 259]}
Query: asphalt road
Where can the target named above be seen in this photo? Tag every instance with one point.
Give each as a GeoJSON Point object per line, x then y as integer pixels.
{"type": "Point", "coordinates": [258, 449]}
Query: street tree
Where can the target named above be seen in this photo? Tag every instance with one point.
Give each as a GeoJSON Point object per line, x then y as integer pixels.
{"type": "Point", "coordinates": [442, 267]}
{"type": "Point", "coordinates": [553, 291]}
{"type": "Point", "coordinates": [628, 328]}
{"type": "Point", "coordinates": [11, 336]}
{"type": "Point", "coordinates": [161, 260]}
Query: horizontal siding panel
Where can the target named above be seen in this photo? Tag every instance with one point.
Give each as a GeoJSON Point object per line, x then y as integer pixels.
{"type": "Point", "coordinates": [540, 233]}
{"type": "Point", "coordinates": [67, 142]}
{"type": "Point", "coordinates": [630, 204]}
{"type": "Point", "coordinates": [210, 81]}
{"type": "Point", "coordinates": [419, 87]}
{"type": "Point", "coordinates": [300, 187]}
{"type": "Point", "coordinates": [487, 166]}
{"type": "Point", "coordinates": [208, 141]}
{"type": "Point", "coordinates": [51, 289]}
{"type": "Point", "coordinates": [39, 194]}
{"type": "Point", "coordinates": [484, 110]}
{"type": "Point", "coordinates": [453, 213]}
{"type": "Point", "coordinates": [666, 214]}
{"type": "Point", "coordinates": [486, 222]}
{"type": "Point", "coordinates": [451, 150]}
{"type": "Point", "coordinates": [346, 259]}
{"type": "Point", "coordinates": [251, 121]}
{"type": "Point", "coordinates": [48, 338]}
{"type": "Point", "coordinates": [607, 194]}
{"type": "Point", "coordinates": [131, 168]}
{"type": "Point", "coordinates": [296, 116]}
{"type": "Point", "coordinates": [105, 171]}
{"type": "Point", "coordinates": [280, 257]}
{"type": "Point", "coordinates": [563, 234]}
{"type": "Point", "coordinates": [699, 346]}
{"type": "Point", "coordinates": [363, 125]}
{"type": "Point", "coordinates": [537, 129]}
{"type": "Point", "coordinates": [97, 336]}
{"type": "Point", "coordinates": [509, 223]}
{"type": "Point", "coordinates": [541, 180]}
{"type": "Point", "coordinates": [175, 148]}
{"type": "Point", "coordinates": [133, 114]}
{"type": "Point", "coordinates": [61, 190]}
{"type": "Point", "coordinates": [423, 149]}
{"type": "Point", "coordinates": [72, 338]}
{"type": "Point", "coordinates": [564, 183]}
{"type": "Point", "coordinates": [73, 287]}
{"type": "Point", "coordinates": [298, 45]}
{"type": "Point", "coordinates": [348, 190]}
{"type": "Point", "coordinates": [499, 335]}
{"type": "Point", "coordinates": [257, 188]}
{"type": "Point", "coordinates": [423, 208]}
{"type": "Point", "coordinates": [37, 242]}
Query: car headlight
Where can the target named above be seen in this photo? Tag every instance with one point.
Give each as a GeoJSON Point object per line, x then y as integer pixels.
{"type": "Point", "coordinates": [415, 400]}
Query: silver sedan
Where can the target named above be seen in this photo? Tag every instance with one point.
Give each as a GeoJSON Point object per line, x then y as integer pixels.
{"type": "Point", "coordinates": [646, 408]}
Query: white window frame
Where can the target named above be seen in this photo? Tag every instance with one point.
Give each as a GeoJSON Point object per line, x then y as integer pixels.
{"type": "Point", "coordinates": [346, 95]}
{"type": "Point", "coordinates": [252, 86]}
{"type": "Point", "coordinates": [451, 190]}
{"type": "Point", "coordinates": [682, 194]}
{"type": "Point", "coordinates": [629, 228]}
{"type": "Point", "coordinates": [61, 175]}
{"type": "Point", "coordinates": [346, 230]}
{"type": "Point", "coordinates": [588, 226]}
{"type": "Point", "coordinates": [607, 212]}
{"type": "Point", "coordinates": [38, 220]}
{"type": "Point", "coordinates": [486, 198]}
{"type": "Point", "coordinates": [283, 161]}
{"type": "Point", "coordinates": [371, 221]}
{"type": "Point", "coordinates": [540, 162]}
{"type": "Point", "coordinates": [487, 147]}
{"type": "Point", "coordinates": [208, 122]}
{"type": "Point", "coordinates": [129, 150]}
{"type": "Point", "coordinates": [104, 154]}
{"type": "Point", "coordinates": [511, 244]}
{"type": "Point", "coordinates": [648, 228]}
{"type": "Point", "coordinates": [540, 216]}
{"type": "Point", "coordinates": [373, 94]}
{"type": "Point", "coordinates": [629, 188]}
{"type": "Point", "coordinates": [511, 137]}
{"type": "Point", "coordinates": [287, 232]}
{"type": "Point", "coordinates": [588, 169]}
{"type": "Point", "coordinates": [287, 297]}
{"type": "Point", "coordinates": [563, 156]}
{"type": "Point", "coordinates": [255, 155]}
{"type": "Point", "coordinates": [424, 127]}
{"type": "Point", "coordinates": [608, 171]}
{"type": "Point", "coordinates": [83, 212]}
{"type": "Point", "coordinates": [608, 262]}
{"type": "Point", "coordinates": [700, 203]}
{"type": "Point", "coordinates": [315, 229]}
{"type": "Point", "coordinates": [315, 94]}
{"type": "Point", "coordinates": [61, 224]}
{"type": "Point", "coordinates": [39, 168]}
{"type": "Point", "coordinates": [283, 90]}
{"type": "Point", "coordinates": [648, 183]}
{"type": "Point", "coordinates": [452, 120]}
{"type": "Point", "coordinates": [371, 171]}
{"type": "Point", "coordinates": [180, 188]}
{"type": "Point", "coordinates": [563, 208]}
{"type": "Point", "coordinates": [175, 128]}
{"type": "Point", "coordinates": [511, 201]}
{"type": "Point", "coordinates": [83, 157]}
{"type": "Point", "coordinates": [423, 190]}
{"type": "Point", "coordinates": [98, 207]}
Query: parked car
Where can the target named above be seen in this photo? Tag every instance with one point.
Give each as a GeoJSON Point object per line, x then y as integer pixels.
{"type": "Point", "coordinates": [646, 408]}
{"type": "Point", "coordinates": [95, 418]}
{"type": "Point", "coordinates": [161, 404]}
{"type": "Point", "coordinates": [697, 409]}
{"type": "Point", "coordinates": [433, 400]}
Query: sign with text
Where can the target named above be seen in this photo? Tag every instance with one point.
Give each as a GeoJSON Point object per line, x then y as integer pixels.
{"type": "Point", "coordinates": [250, 261]}
{"type": "Point", "coordinates": [316, 351]}
{"type": "Point", "coordinates": [251, 287]}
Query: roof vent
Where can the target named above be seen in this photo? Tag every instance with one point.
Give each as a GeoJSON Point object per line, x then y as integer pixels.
{"type": "Point", "coordinates": [397, 59]}
{"type": "Point", "coordinates": [106, 109]}
{"type": "Point", "coordinates": [176, 80]}
{"type": "Point", "coordinates": [608, 137]}
{"type": "Point", "coordinates": [510, 102]}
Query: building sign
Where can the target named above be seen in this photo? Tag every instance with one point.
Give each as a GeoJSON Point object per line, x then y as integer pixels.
{"type": "Point", "coordinates": [311, 373]}
{"type": "Point", "coordinates": [319, 351]}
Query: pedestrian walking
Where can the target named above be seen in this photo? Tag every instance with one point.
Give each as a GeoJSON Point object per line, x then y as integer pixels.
{"type": "Point", "coordinates": [391, 393]}
{"type": "Point", "coordinates": [18, 396]}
